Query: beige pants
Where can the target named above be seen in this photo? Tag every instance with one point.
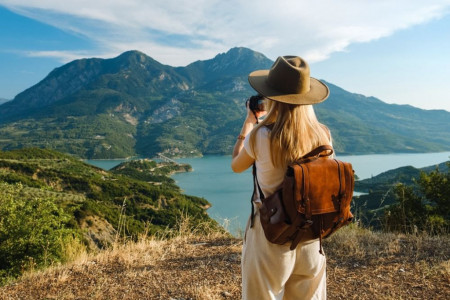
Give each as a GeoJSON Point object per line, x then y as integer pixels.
{"type": "Point", "coordinates": [271, 271]}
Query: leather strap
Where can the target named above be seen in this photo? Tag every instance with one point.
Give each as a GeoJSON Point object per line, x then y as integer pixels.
{"type": "Point", "coordinates": [306, 200]}
{"type": "Point", "coordinates": [261, 194]}
{"type": "Point", "coordinates": [298, 173]}
{"type": "Point", "coordinates": [342, 186]}
{"type": "Point", "coordinates": [252, 217]}
{"type": "Point", "coordinates": [348, 187]}
{"type": "Point", "coordinates": [319, 150]}
{"type": "Point", "coordinates": [341, 173]}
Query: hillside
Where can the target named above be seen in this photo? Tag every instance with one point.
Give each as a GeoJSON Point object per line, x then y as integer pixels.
{"type": "Point", "coordinates": [379, 192]}
{"type": "Point", "coordinates": [362, 124]}
{"type": "Point", "coordinates": [133, 105]}
{"type": "Point", "coordinates": [45, 192]}
{"type": "Point", "coordinates": [405, 175]}
{"type": "Point", "coordinates": [360, 265]}
{"type": "Point", "coordinates": [142, 186]}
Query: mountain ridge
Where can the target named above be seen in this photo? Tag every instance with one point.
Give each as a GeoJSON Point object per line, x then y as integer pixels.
{"type": "Point", "coordinates": [133, 105]}
{"type": "Point", "coordinates": [391, 113]}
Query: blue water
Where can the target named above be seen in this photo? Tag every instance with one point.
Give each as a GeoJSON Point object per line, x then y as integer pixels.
{"type": "Point", "coordinates": [229, 193]}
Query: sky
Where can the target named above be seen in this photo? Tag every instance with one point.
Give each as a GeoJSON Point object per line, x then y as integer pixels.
{"type": "Point", "coordinates": [397, 51]}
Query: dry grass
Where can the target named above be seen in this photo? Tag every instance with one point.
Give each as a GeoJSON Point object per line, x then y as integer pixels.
{"type": "Point", "coordinates": [361, 265]}
{"type": "Point", "coordinates": [369, 265]}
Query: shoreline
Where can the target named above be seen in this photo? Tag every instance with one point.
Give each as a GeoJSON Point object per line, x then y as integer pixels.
{"type": "Point", "coordinates": [227, 154]}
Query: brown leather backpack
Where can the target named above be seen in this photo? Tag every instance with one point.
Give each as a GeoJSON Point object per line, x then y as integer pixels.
{"type": "Point", "coordinates": [313, 201]}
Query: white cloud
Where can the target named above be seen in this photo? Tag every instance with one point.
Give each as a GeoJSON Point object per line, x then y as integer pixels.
{"type": "Point", "coordinates": [178, 32]}
{"type": "Point", "coordinates": [63, 56]}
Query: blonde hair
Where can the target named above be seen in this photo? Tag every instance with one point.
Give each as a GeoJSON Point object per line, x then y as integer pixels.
{"type": "Point", "coordinates": [295, 131]}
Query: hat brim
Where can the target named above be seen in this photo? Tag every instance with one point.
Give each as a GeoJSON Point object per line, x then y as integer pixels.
{"type": "Point", "coordinates": [317, 93]}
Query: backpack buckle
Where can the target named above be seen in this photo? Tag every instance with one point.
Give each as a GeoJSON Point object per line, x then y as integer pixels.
{"type": "Point", "coordinates": [305, 225]}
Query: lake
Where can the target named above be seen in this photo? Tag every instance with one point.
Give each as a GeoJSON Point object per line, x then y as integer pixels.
{"type": "Point", "coordinates": [229, 193]}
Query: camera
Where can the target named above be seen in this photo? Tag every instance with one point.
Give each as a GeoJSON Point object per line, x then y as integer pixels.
{"type": "Point", "coordinates": [256, 103]}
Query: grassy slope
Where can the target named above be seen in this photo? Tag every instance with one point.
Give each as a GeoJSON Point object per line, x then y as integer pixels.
{"type": "Point", "coordinates": [361, 265]}
{"type": "Point", "coordinates": [151, 203]}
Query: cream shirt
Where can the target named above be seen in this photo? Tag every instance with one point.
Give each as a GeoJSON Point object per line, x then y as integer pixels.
{"type": "Point", "coordinates": [269, 177]}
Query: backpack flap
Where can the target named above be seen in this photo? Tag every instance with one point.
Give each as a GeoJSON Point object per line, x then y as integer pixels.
{"type": "Point", "coordinates": [323, 196]}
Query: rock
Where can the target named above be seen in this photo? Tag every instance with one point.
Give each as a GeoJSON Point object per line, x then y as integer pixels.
{"type": "Point", "coordinates": [226, 294]}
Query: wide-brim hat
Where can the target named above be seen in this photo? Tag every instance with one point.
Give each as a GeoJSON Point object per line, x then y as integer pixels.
{"type": "Point", "coordinates": [288, 81]}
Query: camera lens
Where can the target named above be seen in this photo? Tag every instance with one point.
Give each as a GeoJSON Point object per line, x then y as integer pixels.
{"type": "Point", "coordinates": [256, 103]}
{"type": "Point", "coordinates": [262, 105]}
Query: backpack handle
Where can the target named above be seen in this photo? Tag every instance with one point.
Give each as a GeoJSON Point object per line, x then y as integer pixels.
{"type": "Point", "coordinates": [319, 150]}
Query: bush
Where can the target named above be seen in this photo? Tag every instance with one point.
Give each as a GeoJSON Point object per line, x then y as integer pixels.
{"type": "Point", "coordinates": [422, 206]}
{"type": "Point", "coordinates": [34, 232]}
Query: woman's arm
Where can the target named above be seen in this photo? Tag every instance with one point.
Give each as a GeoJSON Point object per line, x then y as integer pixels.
{"type": "Point", "coordinates": [241, 160]}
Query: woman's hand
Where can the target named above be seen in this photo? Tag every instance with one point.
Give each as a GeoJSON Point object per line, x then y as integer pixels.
{"type": "Point", "coordinates": [253, 116]}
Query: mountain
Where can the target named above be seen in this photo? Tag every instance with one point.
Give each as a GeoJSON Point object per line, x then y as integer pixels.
{"type": "Point", "coordinates": [3, 100]}
{"type": "Point", "coordinates": [133, 105]}
{"type": "Point", "coordinates": [367, 124]}
{"type": "Point", "coordinates": [237, 62]}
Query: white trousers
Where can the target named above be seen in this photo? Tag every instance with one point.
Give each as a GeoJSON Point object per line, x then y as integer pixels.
{"type": "Point", "coordinates": [271, 271]}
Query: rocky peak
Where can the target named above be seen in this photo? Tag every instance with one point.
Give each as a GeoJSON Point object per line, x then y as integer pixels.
{"type": "Point", "coordinates": [133, 58]}
{"type": "Point", "coordinates": [235, 62]}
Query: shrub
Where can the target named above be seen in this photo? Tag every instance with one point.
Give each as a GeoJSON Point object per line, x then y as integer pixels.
{"type": "Point", "coordinates": [34, 232]}
{"type": "Point", "coordinates": [422, 206]}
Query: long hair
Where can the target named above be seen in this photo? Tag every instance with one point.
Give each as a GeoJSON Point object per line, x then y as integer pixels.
{"type": "Point", "coordinates": [295, 131]}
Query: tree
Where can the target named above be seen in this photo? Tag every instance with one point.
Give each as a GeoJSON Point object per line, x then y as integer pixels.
{"type": "Point", "coordinates": [435, 188]}
{"type": "Point", "coordinates": [422, 206]}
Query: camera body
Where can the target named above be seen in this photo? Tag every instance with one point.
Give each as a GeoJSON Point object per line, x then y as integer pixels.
{"type": "Point", "coordinates": [256, 103]}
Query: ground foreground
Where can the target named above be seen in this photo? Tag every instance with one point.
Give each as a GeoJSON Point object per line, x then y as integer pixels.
{"type": "Point", "coordinates": [361, 265]}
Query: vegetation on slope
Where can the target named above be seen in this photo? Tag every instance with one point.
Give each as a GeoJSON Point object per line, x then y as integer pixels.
{"type": "Point", "coordinates": [34, 231]}
{"type": "Point", "coordinates": [189, 257]}
{"type": "Point", "coordinates": [406, 200]}
{"type": "Point", "coordinates": [56, 197]}
{"type": "Point", "coordinates": [151, 171]}
{"type": "Point", "coordinates": [361, 264]}
{"type": "Point", "coordinates": [132, 105]}
{"type": "Point", "coordinates": [102, 135]}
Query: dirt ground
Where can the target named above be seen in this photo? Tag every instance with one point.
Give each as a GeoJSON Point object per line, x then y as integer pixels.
{"type": "Point", "coordinates": [360, 265]}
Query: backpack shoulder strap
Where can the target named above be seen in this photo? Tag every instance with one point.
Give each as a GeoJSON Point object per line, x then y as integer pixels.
{"type": "Point", "coordinates": [261, 194]}
{"type": "Point", "coordinates": [270, 126]}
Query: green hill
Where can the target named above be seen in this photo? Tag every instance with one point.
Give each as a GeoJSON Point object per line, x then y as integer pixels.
{"type": "Point", "coordinates": [133, 105]}
{"type": "Point", "coordinates": [53, 205]}
{"type": "Point", "coordinates": [138, 191]}
{"type": "Point", "coordinates": [379, 191]}
{"type": "Point", "coordinates": [362, 124]}
{"type": "Point", "coordinates": [405, 175]}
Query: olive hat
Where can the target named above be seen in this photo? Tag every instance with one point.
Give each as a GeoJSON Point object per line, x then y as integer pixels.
{"type": "Point", "coordinates": [288, 81]}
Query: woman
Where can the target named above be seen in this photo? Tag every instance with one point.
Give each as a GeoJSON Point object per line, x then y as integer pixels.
{"type": "Point", "coordinates": [289, 130]}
